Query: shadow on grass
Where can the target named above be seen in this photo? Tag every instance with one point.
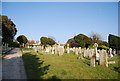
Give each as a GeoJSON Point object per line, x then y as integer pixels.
{"type": "Point", "coordinates": [117, 69]}
{"type": "Point", "coordinates": [86, 61]}
{"type": "Point", "coordinates": [54, 78]}
{"type": "Point", "coordinates": [34, 66]}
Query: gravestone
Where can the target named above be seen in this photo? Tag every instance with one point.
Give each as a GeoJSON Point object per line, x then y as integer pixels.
{"type": "Point", "coordinates": [103, 58]}
{"type": "Point", "coordinates": [73, 49]}
{"type": "Point", "coordinates": [110, 51]}
{"type": "Point", "coordinates": [90, 53]}
{"type": "Point", "coordinates": [96, 53]}
{"type": "Point", "coordinates": [85, 53]}
{"type": "Point", "coordinates": [55, 48]}
{"type": "Point", "coordinates": [52, 50]}
{"type": "Point", "coordinates": [80, 50]}
{"type": "Point", "coordinates": [114, 52]}
{"type": "Point", "coordinates": [93, 59]}
{"type": "Point", "coordinates": [61, 50]}
{"type": "Point", "coordinates": [76, 51]}
{"type": "Point", "coordinates": [68, 49]}
{"type": "Point", "coordinates": [47, 49]}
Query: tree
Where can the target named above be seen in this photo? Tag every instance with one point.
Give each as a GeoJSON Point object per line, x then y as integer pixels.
{"type": "Point", "coordinates": [8, 29]}
{"type": "Point", "coordinates": [114, 42]}
{"type": "Point", "coordinates": [47, 41]}
{"type": "Point", "coordinates": [95, 37]}
{"type": "Point", "coordinates": [82, 40]}
{"type": "Point", "coordinates": [22, 39]}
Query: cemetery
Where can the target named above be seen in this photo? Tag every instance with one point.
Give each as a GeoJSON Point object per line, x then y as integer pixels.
{"type": "Point", "coordinates": [39, 44]}
{"type": "Point", "coordinates": [57, 62]}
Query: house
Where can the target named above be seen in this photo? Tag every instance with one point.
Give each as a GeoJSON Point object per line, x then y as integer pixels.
{"type": "Point", "coordinates": [33, 42]}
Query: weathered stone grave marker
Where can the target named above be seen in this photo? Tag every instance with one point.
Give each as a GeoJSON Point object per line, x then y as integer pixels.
{"type": "Point", "coordinates": [103, 58]}
{"type": "Point", "coordinates": [93, 59]}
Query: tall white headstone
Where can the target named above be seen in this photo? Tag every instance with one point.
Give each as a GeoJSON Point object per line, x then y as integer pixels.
{"type": "Point", "coordinates": [96, 53]}
{"type": "Point", "coordinates": [110, 51]}
{"type": "Point", "coordinates": [103, 58]}
{"type": "Point", "coordinates": [61, 50]}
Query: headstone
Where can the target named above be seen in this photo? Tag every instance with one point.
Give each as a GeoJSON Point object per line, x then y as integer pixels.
{"type": "Point", "coordinates": [73, 49]}
{"type": "Point", "coordinates": [76, 51]}
{"type": "Point", "coordinates": [68, 49]}
{"type": "Point", "coordinates": [85, 53]}
{"type": "Point", "coordinates": [96, 53]}
{"type": "Point", "coordinates": [61, 50]}
{"type": "Point", "coordinates": [80, 50]}
{"type": "Point", "coordinates": [47, 49]}
{"type": "Point", "coordinates": [93, 59]}
{"type": "Point", "coordinates": [110, 51]}
{"type": "Point", "coordinates": [53, 50]}
{"type": "Point", "coordinates": [114, 52]}
{"type": "Point", "coordinates": [103, 58]}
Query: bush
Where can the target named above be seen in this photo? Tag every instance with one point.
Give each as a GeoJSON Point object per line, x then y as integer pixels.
{"type": "Point", "coordinates": [103, 47]}
{"type": "Point", "coordinates": [47, 45]}
{"type": "Point", "coordinates": [13, 44]}
{"type": "Point", "coordinates": [91, 47]}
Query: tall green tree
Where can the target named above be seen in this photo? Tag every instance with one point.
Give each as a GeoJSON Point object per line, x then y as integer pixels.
{"type": "Point", "coordinates": [22, 40]}
{"type": "Point", "coordinates": [82, 40]}
{"type": "Point", "coordinates": [8, 28]}
{"type": "Point", "coordinates": [47, 41]}
{"type": "Point", "coordinates": [114, 42]}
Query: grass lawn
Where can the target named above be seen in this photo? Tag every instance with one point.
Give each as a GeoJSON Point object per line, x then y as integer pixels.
{"type": "Point", "coordinates": [46, 66]}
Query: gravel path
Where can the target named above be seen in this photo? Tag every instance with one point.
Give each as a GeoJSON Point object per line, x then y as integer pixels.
{"type": "Point", "coordinates": [13, 66]}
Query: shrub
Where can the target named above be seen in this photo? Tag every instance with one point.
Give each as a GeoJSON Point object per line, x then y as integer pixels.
{"type": "Point", "coordinates": [103, 47]}
{"type": "Point", "coordinates": [47, 41]}
{"type": "Point", "coordinates": [13, 44]}
{"type": "Point", "coordinates": [91, 47]}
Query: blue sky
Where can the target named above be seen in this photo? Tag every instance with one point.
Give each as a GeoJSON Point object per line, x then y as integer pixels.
{"type": "Point", "coordinates": [62, 19]}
